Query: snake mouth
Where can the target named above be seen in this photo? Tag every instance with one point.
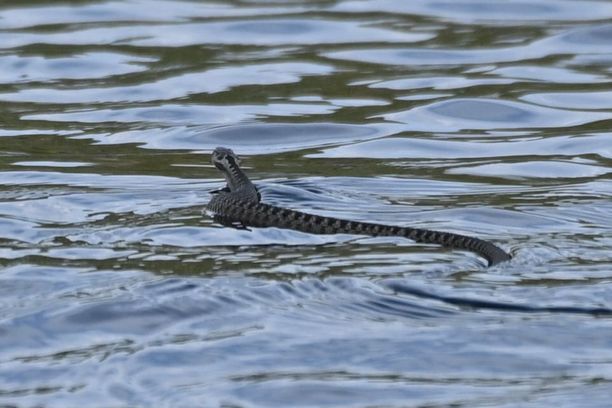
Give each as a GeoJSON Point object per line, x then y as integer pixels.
{"type": "Point", "coordinates": [219, 166]}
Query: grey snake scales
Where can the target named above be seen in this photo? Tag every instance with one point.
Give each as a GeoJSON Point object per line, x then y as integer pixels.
{"type": "Point", "coordinates": [240, 203]}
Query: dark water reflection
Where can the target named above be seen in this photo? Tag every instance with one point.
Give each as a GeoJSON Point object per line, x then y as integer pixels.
{"type": "Point", "coordinates": [470, 116]}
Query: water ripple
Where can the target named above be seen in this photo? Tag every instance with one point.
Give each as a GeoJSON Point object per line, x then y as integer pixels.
{"type": "Point", "coordinates": [16, 69]}
{"type": "Point", "coordinates": [534, 169]}
{"type": "Point", "coordinates": [573, 100]}
{"type": "Point", "coordinates": [128, 12]}
{"type": "Point", "coordinates": [211, 81]}
{"type": "Point", "coordinates": [459, 114]}
{"type": "Point", "coordinates": [394, 147]}
{"type": "Point", "coordinates": [482, 118]}
{"type": "Point", "coordinates": [592, 39]}
{"type": "Point", "coordinates": [247, 138]}
{"type": "Point", "coordinates": [483, 12]}
{"type": "Point", "coordinates": [466, 303]}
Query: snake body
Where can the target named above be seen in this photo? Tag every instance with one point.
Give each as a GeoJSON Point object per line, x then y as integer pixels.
{"type": "Point", "coordinates": [240, 203]}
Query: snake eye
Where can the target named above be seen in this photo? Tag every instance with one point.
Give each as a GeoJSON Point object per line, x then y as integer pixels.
{"type": "Point", "coordinates": [224, 158]}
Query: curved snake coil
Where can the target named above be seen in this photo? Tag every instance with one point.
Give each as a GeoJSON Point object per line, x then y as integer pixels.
{"type": "Point", "coordinates": [239, 203]}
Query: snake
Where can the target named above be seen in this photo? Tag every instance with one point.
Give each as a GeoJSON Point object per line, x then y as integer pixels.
{"type": "Point", "coordinates": [239, 204]}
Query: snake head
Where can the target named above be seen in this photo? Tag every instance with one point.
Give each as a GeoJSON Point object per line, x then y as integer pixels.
{"type": "Point", "coordinates": [225, 159]}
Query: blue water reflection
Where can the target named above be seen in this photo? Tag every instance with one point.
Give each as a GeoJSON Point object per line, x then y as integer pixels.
{"type": "Point", "coordinates": [484, 118]}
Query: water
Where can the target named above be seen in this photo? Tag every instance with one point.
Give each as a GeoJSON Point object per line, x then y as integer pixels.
{"type": "Point", "coordinates": [478, 117]}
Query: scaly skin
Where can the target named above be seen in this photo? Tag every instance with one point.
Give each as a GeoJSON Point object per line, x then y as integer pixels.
{"type": "Point", "coordinates": [240, 203]}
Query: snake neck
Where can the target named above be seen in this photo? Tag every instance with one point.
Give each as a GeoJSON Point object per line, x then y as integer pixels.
{"type": "Point", "coordinates": [237, 180]}
{"type": "Point", "coordinates": [239, 187]}
{"type": "Point", "coordinates": [238, 183]}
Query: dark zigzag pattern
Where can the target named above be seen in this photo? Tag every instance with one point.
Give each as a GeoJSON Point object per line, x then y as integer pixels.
{"type": "Point", "coordinates": [228, 209]}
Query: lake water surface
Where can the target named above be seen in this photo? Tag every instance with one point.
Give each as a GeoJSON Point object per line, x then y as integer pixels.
{"type": "Point", "coordinates": [488, 118]}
